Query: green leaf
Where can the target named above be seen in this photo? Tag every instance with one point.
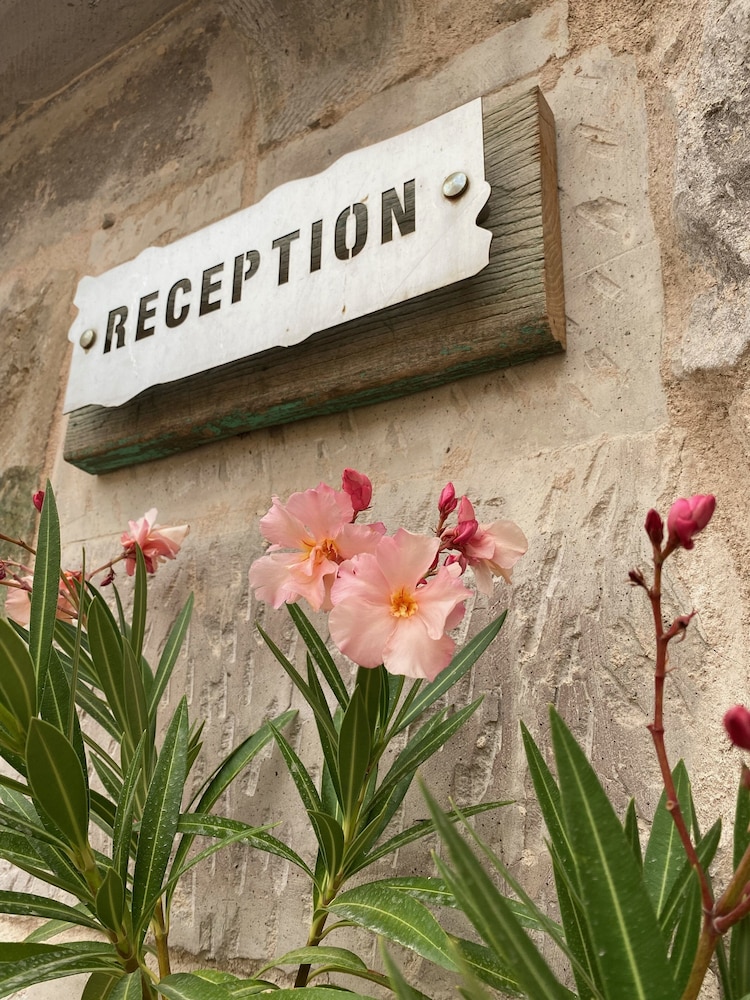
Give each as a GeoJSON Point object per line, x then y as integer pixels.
{"type": "Point", "coordinates": [493, 918]}
{"type": "Point", "coordinates": [665, 855]}
{"type": "Point", "coordinates": [341, 958]}
{"type": "Point", "coordinates": [185, 986]}
{"type": "Point", "coordinates": [354, 749]}
{"type": "Point", "coordinates": [206, 825]}
{"type": "Point", "coordinates": [485, 965]}
{"type": "Point", "coordinates": [169, 656]}
{"type": "Point", "coordinates": [463, 661]}
{"type": "Point", "coordinates": [17, 679]}
{"type": "Point", "coordinates": [45, 590]}
{"type": "Point", "coordinates": [110, 900]}
{"type": "Point", "coordinates": [330, 837]}
{"type": "Point", "coordinates": [122, 831]}
{"type": "Point", "coordinates": [128, 988]}
{"type": "Point", "coordinates": [739, 940]}
{"type": "Point", "coordinates": [99, 711]}
{"type": "Point", "coordinates": [24, 964]}
{"type": "Point", "coordinates": [137, 717]}
{"type": "Point", "coordinates": [300, 776]}
{"type": "Point", "coordinates": [420, 829]}
{"type": "Point", "coordinates": [328, 745]}
{"type": "Point", "coordinates": [421, 748]}
{"type": "Point", "coordinates": [706, 850]}
{"type": "Point", "coordinates": [620, 916]}
{"type": "Point", "coordinates": [630, 827]}
{"type": "Point", "coordinates": [160, 817]}
{"type": "Point", "coordinates": [140, 599]}
{"type": "Point", "coordinates": [320, 710]}
{"type": "Point", "coordinates": [397, 917]}
{"type": "Point", "coordinates": [99, 986]}
{"type": "Point", "coordinates": [686, 936]}
{"type": "Point", "coordinates": [320, 654]}
{"type": "Point", "coordinates": [29, 905]}
{"type": "Point", "coordinates": [398, 984]}
{"type": "Point", "coordinates": [55, 705]}
{"type": "Point", "coordinates": [58, 781]}
{"type": "Point", "coordinates": [106, 652]}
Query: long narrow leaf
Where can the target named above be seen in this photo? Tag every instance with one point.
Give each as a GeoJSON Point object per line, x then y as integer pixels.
{"type": "Point", "coordinates": [621, 918]}
{"type": "Point", "coordinates": [422, 828]}
{"type": "Point", "coordinates": [300, 776]}
{"type": "Point", "coordinates": [665, 855]}
{"type": "Point", "coordinates": [490, 914]}
{"type": "Point", "coordinates": [30, 905]}
{"type": "Point", "coordinates": [160, 817]}
{"type": "Point", "coordinates": [417, 751]}
{"type": "Point", "coordinates": [58, 782]}
{"type": "Point", "coordinates": [206, 825]}
{"type": "Point", "coordinates": [17, 679]}
{"type": "Point", "coordinates": [122, 831]}
{"type": "Point", "coordinates": [463, 661]}
{"type": "Point", "coordinates": [320, 654]}
{"type": "Point", "coordinates": [130, 987]}
{"type": "Point", "coordinates": [169, 656]}
{"type": "Point", "coordinates": [46, 585]}
{"type": "Point", "coordinates": [25, 964]}
{"type": "Point", "coordinates": [354, 749]}
{"type": "Point", "coordinates": [140, 598]}
{"type": "Point", "coordinates": [739, 941]}
{"type": "Point", "coordinates": [106, 651]}
{"type": "Point", "coordinates": [397, 917]}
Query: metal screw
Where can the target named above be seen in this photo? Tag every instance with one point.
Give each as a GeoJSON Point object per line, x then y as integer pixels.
{"type": "Point", "coordinates": [455, 184]}
{"type": "Point", "coordinates": [87, 339]}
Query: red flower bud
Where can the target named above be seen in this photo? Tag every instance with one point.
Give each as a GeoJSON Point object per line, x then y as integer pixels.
{"type": "Point", "coordinates": [737, 725]}
{"type": "Point", "coordinates": [689, 516]}
{"type": "Point", "coordinates": [655, 528]}
{"type": "Point", "coordinates": [447, 502]}
{"type": "Point", "coordinates": [38, 499]}
{"type": "Point", "coordinates": [359, 488]}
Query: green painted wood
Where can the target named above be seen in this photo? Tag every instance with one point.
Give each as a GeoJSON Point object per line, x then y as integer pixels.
{"type": "Point", "coordinates": [511, 312]}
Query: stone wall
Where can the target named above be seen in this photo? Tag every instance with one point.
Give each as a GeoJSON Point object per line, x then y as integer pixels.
{"type": "Point", "coordinates": [226, 99]}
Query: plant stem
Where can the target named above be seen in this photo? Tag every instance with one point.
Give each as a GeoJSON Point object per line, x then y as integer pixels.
{"type": "Point", "coordinates": [704, 951]}
{"type": "Point", "coordinates": [161, 934]}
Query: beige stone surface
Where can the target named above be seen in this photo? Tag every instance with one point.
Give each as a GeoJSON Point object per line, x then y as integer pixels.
{"type": "Point", "coordinates": [204, 115]}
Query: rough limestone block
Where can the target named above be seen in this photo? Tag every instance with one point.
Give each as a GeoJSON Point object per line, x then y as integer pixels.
{"type": "Point", "coordinates": [712, 190]}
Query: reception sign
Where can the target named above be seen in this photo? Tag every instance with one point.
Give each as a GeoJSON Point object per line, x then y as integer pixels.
{"type": "Point", "coordinates": [428, 257]}
{"type": "Point", "coordinates": [374, 229]}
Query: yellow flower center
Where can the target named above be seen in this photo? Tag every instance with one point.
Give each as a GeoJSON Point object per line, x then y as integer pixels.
{"type": "Point", "coordinates": [403, 604]}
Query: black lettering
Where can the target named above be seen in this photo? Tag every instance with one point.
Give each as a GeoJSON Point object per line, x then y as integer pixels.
{"type": "Point", "coordinates": [253, 263]}
{"type": "Point", "coordinates": [316, 244]}
{"type": "Point", "coordinates": [115, 324]}
{"type": "Point", "coordinates": [359, 211]}
{"type": "Point", "coordinates": [283, 243]}
{"type": "Point", "coordinates": [208, 287]}
{"type": "Point", "coordinates": [391, 208]}
{"type": "Point", "coordinates": [171, 318]}
{"type": "Point", "coordinates": [145, 313]}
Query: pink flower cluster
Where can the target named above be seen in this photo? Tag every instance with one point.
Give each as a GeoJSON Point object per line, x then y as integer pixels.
{"type": "Point", "coordinates": [390, 599]}
{"type": "Point", "coordinates": [156, 542]}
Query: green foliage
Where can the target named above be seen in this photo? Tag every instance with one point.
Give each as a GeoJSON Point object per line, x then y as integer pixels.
{"type": "Point", "coordinates": [47, 812]}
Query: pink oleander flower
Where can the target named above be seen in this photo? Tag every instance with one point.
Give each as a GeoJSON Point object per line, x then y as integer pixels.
{"type": "Point", "coordinates": [358, 487]}
{"type": "Point", "coordinates": [689, 516]}
{"type": "Point", "coordinates": [490, 549]}
{"type": "Point", "coordinates": [384, 611]}
{"type": "Point", "coordinates": [317, 526]}
{"type": "Point", "coordinates": [737, 725]}
{"type": "Point", "coordinates": [156, 542]}
{"type": "Point", "coordinates": [18, 601]}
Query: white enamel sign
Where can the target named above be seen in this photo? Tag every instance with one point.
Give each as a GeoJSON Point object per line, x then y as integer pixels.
{"type": "Point", "coordinates": [379, 226]}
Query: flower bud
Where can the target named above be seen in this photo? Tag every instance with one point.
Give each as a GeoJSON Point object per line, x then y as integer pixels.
{"type": "Point", "coordinates": [465, 531]}
{"type": "Point", "coordinates": [359, 488]}
{"type": "Point", "coordinates": [38, 499]}
{"type": "Point", "coordinates": [447, 502]}
{"type": "Point", "coordinates": [689, 516]}
{"type": "Point", "coordinates": [655, 528]}
{"type": "Point", "coordinates": [737, 725]}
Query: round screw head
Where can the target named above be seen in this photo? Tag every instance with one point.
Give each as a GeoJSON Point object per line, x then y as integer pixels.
{"type": "Point", "coordinates": [455, 184]}
{"type": "Point", "coordinates": [87, 338]}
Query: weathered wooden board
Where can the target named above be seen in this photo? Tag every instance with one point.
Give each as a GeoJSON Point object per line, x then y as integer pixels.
{"type": "Point", "coordinates": [511, 312]}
